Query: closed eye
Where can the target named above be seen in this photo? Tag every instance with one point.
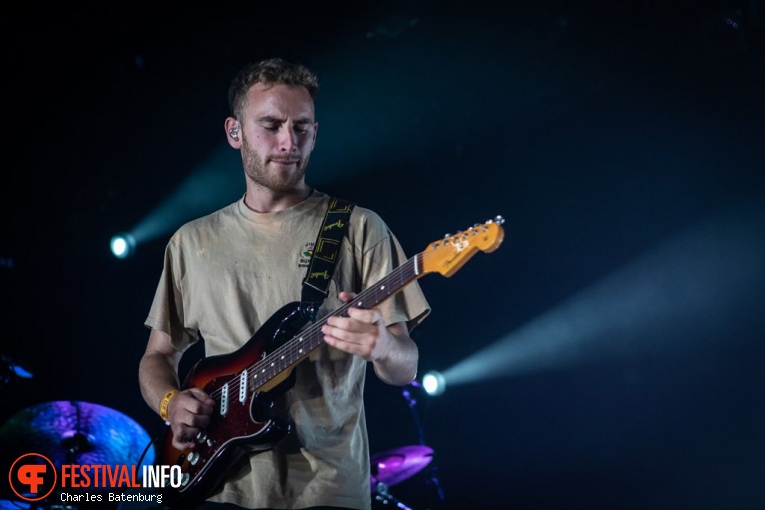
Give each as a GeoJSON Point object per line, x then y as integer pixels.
{"type": "Point", "coordinates": [274, 126]}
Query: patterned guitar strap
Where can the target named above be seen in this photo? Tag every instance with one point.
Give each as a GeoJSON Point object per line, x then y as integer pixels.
{"type": "Point", "coordinates": [326, 252]}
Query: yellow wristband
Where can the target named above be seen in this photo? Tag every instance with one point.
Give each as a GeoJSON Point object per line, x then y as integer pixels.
{"type": "Point", "coordinates": [165, 402]}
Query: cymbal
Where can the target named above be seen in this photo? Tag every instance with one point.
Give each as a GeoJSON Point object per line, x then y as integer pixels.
{"type": "Point", "coordinates": [73, 432]}
{"type": "Point", "coordinates": [396, 465]}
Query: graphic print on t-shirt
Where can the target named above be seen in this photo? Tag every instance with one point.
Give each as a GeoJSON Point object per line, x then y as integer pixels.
{"type": "Point", "coordinates": [305, 255]}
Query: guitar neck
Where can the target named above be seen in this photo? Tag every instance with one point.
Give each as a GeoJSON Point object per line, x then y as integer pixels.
{"type": "Point", "coordinates": [309, 339]}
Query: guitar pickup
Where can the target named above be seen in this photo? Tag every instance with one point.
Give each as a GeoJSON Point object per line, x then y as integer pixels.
{"type": "Point", "coordinates": [243, 386]}
{"type": "Point", "coordinates": [224, 400]}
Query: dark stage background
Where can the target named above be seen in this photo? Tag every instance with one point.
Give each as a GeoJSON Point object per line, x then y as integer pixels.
{"type": "Point", "coordinates": [621, 320]}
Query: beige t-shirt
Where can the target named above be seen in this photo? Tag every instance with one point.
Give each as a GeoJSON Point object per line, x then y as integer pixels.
{"type": "Point", "coordinates": [224, 275]}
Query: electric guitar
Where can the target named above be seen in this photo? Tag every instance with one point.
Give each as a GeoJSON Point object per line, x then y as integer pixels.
{"type": "Point", "coordinates": [245, 383]}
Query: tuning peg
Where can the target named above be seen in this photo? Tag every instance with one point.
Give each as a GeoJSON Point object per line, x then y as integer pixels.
{"type": "Point", "coordinates": [499, 220]}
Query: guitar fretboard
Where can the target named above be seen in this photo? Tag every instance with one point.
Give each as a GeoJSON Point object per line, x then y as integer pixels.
{"type": "Point", "coordinates": [309, 339]}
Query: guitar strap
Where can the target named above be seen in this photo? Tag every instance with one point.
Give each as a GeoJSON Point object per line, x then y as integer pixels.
{"type": "Point", "coordinates": [325, 253]}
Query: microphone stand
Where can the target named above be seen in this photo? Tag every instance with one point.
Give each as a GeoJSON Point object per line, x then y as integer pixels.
{"type": "Point", "coordinates": [412, 404]}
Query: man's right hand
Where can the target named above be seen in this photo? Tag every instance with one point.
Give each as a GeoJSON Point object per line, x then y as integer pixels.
{"type": "Point", "coordinates": [189, 412]}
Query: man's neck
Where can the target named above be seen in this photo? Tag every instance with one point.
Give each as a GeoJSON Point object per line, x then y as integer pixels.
{"type": "Point", "coordinates": [264, 200]}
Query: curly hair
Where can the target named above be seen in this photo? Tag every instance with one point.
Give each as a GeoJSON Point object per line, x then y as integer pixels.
{"type": "Point", "coordinates": [270, 71]}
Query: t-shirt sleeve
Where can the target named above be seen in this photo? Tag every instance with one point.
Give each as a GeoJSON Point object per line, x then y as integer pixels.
{"type": "Point", "coordinates": [382, 254]}
{"type": "Point", "coordinates": [166, 313]}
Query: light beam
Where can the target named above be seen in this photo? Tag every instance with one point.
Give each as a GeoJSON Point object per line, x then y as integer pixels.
{"type": "Point", "coordinates": [667, 301]}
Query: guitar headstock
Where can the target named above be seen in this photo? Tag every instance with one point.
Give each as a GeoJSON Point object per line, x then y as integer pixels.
{"type": "Point", "coordinates": [447, 255]}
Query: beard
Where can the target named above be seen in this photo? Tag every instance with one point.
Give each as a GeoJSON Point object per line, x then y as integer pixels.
{"type": "Point", "coordinates": [284, 181]}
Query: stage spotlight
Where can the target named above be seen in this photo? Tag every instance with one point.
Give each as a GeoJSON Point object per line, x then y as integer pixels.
{"type": "Point", "coordinates": [123, 245]}
{"type": "Point", "coordinates": [434, 383]}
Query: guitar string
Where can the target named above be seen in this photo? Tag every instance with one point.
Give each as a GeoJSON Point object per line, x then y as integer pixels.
{"type": "Point", "coordinates": [289, 351]}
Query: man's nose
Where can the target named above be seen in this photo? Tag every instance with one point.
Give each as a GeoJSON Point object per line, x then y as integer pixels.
{"type": "Point", "coordinates": [287, 140]}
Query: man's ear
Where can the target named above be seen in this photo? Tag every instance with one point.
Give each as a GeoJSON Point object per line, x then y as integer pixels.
{"type": "Point", "coordinates": [233, 129]}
